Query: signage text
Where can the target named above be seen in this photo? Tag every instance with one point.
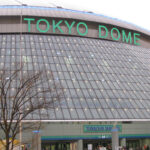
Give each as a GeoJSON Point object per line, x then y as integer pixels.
{"type": "Point", "coordinates": [82, 29]}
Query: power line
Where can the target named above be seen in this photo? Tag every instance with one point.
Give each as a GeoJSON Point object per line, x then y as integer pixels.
{"type": "Point", "coordinates": [18, 2]}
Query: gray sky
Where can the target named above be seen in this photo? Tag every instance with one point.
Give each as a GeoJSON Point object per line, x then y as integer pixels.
{"type": "Point", "coordinates": [132, 11]}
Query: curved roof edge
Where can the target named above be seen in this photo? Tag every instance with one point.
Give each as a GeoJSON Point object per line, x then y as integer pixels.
{"type": "Point", "coordinates": [82, 15]}
{"type": "Point", "coordinates": [92, 120]}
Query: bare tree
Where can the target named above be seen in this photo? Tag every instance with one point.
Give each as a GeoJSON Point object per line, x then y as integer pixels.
{"type": "Point", "coordinates": [22, 94]}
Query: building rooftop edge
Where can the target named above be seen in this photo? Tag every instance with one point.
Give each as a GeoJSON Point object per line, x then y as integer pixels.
{"type": "Point", "coordinates": [132, 25]}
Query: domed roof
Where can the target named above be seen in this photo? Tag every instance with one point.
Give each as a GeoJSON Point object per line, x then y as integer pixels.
{"type": "Point", "coordinates": [44, 9]}
{"type": "Point", "coordinates": [102, 79]}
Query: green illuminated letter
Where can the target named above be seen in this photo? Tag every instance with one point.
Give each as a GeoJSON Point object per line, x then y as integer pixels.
{"type": "Point", "coordinates": [86, 28]}
{"type": "Point", "coordinates": [136, 38]}
{"type": "Point", "coordinates": [57, 26]}
{"type": "Point", "coordinates": [125, 38]}
{"type": "Point", "coordinates": [106, 32]}
{"type": "Point", "coordinates": [116, 39]}
{"type": "Point", "coordinates": [29, 23]}
{"type": "Point", "coordinates": [38, 28]}
{"type": "Point", "coordinates": [69, 26]}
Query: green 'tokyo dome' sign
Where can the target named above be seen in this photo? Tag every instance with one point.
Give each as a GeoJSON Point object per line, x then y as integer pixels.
{"type": "Point", "coordinates": [100, 128]}
{"type": "Point", "coordinates": [82, 29]}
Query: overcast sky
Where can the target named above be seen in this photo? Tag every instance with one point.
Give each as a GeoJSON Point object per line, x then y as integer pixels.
{"type": "Point", "coordinates": [132, 11]}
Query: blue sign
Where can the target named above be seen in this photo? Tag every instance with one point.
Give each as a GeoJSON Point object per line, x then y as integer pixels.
{"type": "Point", "coordinates": [36, 131]}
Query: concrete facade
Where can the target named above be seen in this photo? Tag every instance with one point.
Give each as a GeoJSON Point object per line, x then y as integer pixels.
{"type": "Point", "coordinates": [74, 133]}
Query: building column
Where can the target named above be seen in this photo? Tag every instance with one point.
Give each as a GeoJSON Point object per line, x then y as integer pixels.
{"type": "Point", "coordinates": [36, 142]}
{"type": "Point", "coordinates": [115, 139]}
{"type": "Point", "coordinates": [73, 146]}
{"type": "Point", "coordinates": [123, 142]}
{"type": "Point", "coordinates": [80, 145]}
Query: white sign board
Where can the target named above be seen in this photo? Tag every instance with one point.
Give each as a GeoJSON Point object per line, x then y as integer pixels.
{"type": "Point", "coordinates": [89, 146]}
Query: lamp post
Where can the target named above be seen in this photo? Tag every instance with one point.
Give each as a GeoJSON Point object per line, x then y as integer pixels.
{"type": "Point", "coordinates": [20, 125]}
